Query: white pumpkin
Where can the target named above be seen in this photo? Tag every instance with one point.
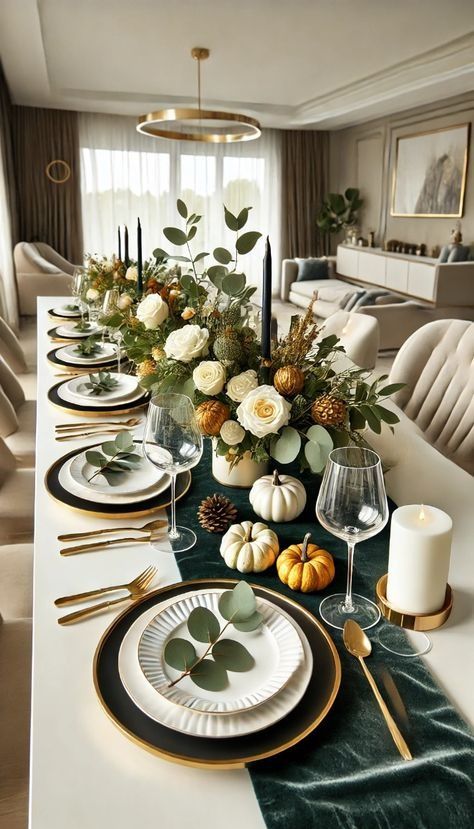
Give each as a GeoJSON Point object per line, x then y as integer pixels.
{"type": "Point", "coordinates": [278, 497]}
{"type": "Point", "coordinates": [249, 548]}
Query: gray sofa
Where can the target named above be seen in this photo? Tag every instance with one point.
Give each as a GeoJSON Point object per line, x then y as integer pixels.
{"type": "Point", "coordinates": [432, 291]}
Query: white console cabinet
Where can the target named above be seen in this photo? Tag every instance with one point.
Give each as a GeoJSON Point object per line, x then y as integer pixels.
{"type": "Point", "coordinates": [409, 275]}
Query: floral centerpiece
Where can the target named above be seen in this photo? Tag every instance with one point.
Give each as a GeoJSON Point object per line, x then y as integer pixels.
{"type": "Point", "coordinates": [103, 273]}
{"type": "Point", "coordinates": [190, 332]}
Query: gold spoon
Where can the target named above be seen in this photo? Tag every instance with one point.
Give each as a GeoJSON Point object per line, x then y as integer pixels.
{"type": "Point", "coordinates": [358, 644]}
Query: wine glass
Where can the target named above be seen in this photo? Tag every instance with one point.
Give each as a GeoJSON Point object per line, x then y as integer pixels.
{"type": "Point", "coordinates": [172, 442]}
{"type": "Point", "coordinates": [78, 289]}
{"type": "Point", "coordinates": [352, 504]}
{"type": "Point", "coordinates": [109, 307]}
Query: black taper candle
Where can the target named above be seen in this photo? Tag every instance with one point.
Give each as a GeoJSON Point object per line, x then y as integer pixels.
{"type": "Point", "coordinates": [139, 259]}
{"type": "Point", "coordinates": [119, 244]}
{"type": "Point", "coordinates": [267, 303]}
{"type": "Point", "coordinates": [127, 260]}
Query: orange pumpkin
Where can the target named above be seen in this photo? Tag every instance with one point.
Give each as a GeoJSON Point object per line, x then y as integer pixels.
{"type": "Point", "coordinates": [305, 567]}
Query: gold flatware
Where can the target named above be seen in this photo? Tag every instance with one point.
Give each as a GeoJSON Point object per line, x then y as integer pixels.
{"type": "Point", "coordinates": [77, 435]}
{"type": "Point", "coordinates": [132, 421]}
{"type": "Point", "coordinates": [137, 584]}
{"type": "Point", "coordinates": [70, 618]}
{"type": "Point", "coordinates": [147, 528]}
{"type": "Point", "coordinates": [71, 373]}
{"type": "Point", "coordinates": [83, 548]}
{"type": "Point", "coordinates": [358, 644]}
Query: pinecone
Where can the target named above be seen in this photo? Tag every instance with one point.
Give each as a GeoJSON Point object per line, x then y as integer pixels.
{"type": "Point", "coordinates": [145, 368]}
{"type": "Point", "coordinates": [216, 513]}
{"type": "Point", "coordinates": [328, 411]}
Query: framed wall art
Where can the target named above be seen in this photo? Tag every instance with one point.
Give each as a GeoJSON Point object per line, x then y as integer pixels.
{"type": "Point", "coordinates": [429, 177]}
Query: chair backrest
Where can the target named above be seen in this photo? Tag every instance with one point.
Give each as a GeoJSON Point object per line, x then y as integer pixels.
{"type": "Point", "coordinates": [8, 420]}
{"type": "Point", "coordinates": [358, 333]}
{"type": "Point", "coordinates": [51, 255]}
{"type": "Point", "coordinates": [28, 259]}
{"type": "Point", "coordinates": [7, 462]}
{"type": "Point", "coordinates": [10, 348]}
{"type": "Point", "coordinates": [437, 365]}
{"type": "Point", "coordinates": [10, 385]}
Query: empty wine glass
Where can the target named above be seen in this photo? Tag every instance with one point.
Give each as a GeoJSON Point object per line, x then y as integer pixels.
{"type": "Point", "coordinates": [78, 289]}
{"type": "Point", "coordinates": [352, 504]}
{"type": "Point", "coordinates": [173, 443]}
{"type": "Point", "coordinates": [109, 307]}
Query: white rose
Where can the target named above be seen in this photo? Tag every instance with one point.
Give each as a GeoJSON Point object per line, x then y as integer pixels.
{"type": "Point", "coordinates": [152, 311]}
{"type": "Point", "coordinates": [132, 273]}
{"type": "Point", "coordinates": [264, 411]}
{"type": "Point", "coordinates": [124, 301]}
{"type": "Point", "coordinates": [187, 343]}
{"type": "Point", "coordinates": [232, 432]}
{"type": "Point", "coordinates": [209, 377]}
{"type": "Point", "coordinates": [239, 386]}
{"type": "Point", "coordinates": [92, 294]}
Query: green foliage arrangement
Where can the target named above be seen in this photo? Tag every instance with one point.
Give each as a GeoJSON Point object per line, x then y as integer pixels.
{"type": "Point", "coordinates": [209, 671]}
{"type": "Point", "coordinates": [88, 348]}
{"type": "Point", "coordinates": [100, 383]}
{"type": "Point", "coordinates": [114, 458]}
{"type": "Point", "coordinates": [339, 211]}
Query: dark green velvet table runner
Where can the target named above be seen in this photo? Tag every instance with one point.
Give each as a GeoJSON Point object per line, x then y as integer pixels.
{"type": "Point", "coordinates": [348, 773]}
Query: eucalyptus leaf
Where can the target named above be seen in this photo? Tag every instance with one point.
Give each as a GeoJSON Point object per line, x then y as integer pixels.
{"type": "Point", "coordinates": [237, 604]}
{"type": "Point", "coordinates": [210, 676]}
{"type": "Point", "coordinates": [186, 280]}
{"type": "Point", "coordinates": [232, 655]}
{"type": "Point", "coordinates": [112, 478]}
{"type": "Point", "coordinates": [124, 441]}
{"type": "Point", "coordinates": [180, 654]}
{"type": "Point", "coordinates": [247, 241]}
{"type": "Point", "coordinates": [252, 623]}
{"type": "Point", "coordinates": [314, 456]}
{"type": "Point", "coordinates": [175, 235]}
{"type": "Point", "coordinates": [233, 283]}
{"type": "Point", "coordinates": [203, 625]}
{"type": "Point", "coordinates": [200, 256]}
{"type": "Point", "coordinates": [231, 221]}
{"type": "Point", "coordinates": [159, 253]}
{"type": "Point", "coordinates": [93, 457]}
{"type": "Point", "coordinates": [182, 209]}
{"type": "Point", "coordinates": [109, 447]}
{"type": "Point", "coordinates": [242, 217]}
{"type": "Point", "coordinates": [222, 255]}
{"type": "Point", "coordinates": [192, 233]}
{"type": "Point", "coordinates": [285, 447]}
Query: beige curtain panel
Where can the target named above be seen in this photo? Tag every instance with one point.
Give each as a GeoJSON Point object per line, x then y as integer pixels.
{"type": "Point", "coordinates": [305, 181]}
{"type": "Point", "coordinates": [48, 211]}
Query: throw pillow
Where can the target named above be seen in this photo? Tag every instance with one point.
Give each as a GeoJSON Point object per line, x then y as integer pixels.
{"type": "Point", "coordinates": [459, 253]}
{"type": "Point", "coordinates": [309, 269]}
{"type": "Point", "coordinates": [443, 257]}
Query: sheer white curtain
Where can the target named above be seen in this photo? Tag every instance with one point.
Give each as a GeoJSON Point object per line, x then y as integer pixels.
{"type": "Point", "coordinates": [8, 295]}
{"type": "Point", "coordinates": [126, 175]}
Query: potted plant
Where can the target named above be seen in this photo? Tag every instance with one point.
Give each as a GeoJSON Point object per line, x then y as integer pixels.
{"type": "Point", "coordinates": [340, 212]}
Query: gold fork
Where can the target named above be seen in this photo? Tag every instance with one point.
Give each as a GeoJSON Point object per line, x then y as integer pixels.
{"type": "Point", "coordinates": [138, 583]}
{"type": "Point", "coordinates": [66, 427]}
{"type": "Point", "coordinates": [89, 611]}
{"type": "Point", "coordinates": [77, 435]}
{"type": "Point", "coordinates": [148, 528]}
{"type": "Point", "coordinates": [98, 545]}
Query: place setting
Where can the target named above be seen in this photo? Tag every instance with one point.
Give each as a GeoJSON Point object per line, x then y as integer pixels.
{"type": "Point", "coordinates": [67, 311]}
{"type": "Point", "coordinates": [83, 356]}
{"type": "Point", "coordinates": [97, 393]}
{"type": "Point", "coordinates": [69, 332]}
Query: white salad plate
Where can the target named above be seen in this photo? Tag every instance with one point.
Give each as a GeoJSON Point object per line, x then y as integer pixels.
{"type": "Point", "coordinates": [197, 723]}
{"type": "Point", "coordinates": [63, 311]}
{"type": "Point", "coordinates": [74, 474]}
{"type": "Point", "coordinates": [93, 401]}
{"type": "Point", "coordinates": [67, 354]}
{"type": "Point", "coordinates": [127, 385]}
{"type": "Point", "coordinates": [69, 330]}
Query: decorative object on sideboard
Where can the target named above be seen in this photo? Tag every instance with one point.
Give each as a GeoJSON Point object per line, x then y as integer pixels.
{"type": "Point", "coordinates": [455, 251]}
{"type": "Point", "coordinates": [429, 176]}
{"type": "Point", "coordinates": [340, 212]}
{"type": "Point", "coordinates": [396, 246]}
{"type": "Point", "coordinates": [371, 238]}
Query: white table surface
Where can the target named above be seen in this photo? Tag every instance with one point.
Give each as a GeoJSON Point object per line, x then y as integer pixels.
{"type": "Point", "coordinates": [84, 771]}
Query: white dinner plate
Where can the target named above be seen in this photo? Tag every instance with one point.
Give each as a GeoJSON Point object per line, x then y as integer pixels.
{"type": "Point", "coordinates": [127, 385]}
{"type": "Point", "coordinates": [70, 330]}
{"type": "Point", "coordinates": [100, 492]}
{"type": "Point", "coordinates": [94, 402]}
{"type": "Point", "coordinates": [275, 646]}
{"type": "Point", "coordinates": [67, 354]}
{"type": "Point", "coordinates": [200, 724]}
{"type": "Point", "coordinates": [62, 311]}
{"type": "Point", "coordinates": [145, 477]}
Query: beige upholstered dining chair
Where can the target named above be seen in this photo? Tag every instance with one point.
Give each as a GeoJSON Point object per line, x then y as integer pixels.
{"type": "Point", "coordinates": [437, 365]}
{"type": "Point", "coordinates": [16, 581]}
{"type": "Point", "coordinates": [15, 681]}
{"type": "Point", "coordinates": [16, 499]}
{"type": "Point", "coordinates": [358, 333]}
{"type": "Point", "coordinates": [40, 271]}
{"type": "Point", "coordinates": [10, 348]}
{"type": "Point", "coordinates": [17, 417]}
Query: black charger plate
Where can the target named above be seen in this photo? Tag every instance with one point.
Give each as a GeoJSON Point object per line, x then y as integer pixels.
{"type": "Point", "coordinates": [67, 317]}
{"type": "Point", "coordinates": [202, 752]}
{"type": "Point", "coordinates": [70, 338]}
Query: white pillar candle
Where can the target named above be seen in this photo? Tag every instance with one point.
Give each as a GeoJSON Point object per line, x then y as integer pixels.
{"type": "Point", "coordinates": [418, 563]}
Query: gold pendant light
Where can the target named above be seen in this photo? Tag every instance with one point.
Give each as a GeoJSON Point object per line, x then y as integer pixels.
{"type": "Point", "coordinates": [199, 124]}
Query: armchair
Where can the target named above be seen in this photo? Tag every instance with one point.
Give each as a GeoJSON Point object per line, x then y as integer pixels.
{"type": "Point", "coordinates": [40, 271]}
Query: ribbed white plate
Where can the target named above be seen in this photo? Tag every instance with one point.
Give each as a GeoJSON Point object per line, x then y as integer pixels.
{"type": "Point", "coordinates": [200, 724]}
{"type": "Point", "coordinates": [62, 311]}
{"type": "Point", "coordinates": [127, 385]}
{"type": "Point", "coordinates": [275, 646]}
{"type": "Point", "coordinates": [94, 402]}
{"type": "Point", "coordinates": [101, 493]}
{"type": "Point", "coordinates": [67, 354]}
{"type": "Point", "coordinates": [70, 330]}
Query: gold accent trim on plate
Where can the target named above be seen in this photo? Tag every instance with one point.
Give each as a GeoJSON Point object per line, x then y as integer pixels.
{"type": "Point", "coordinates": [408, 620]}
{"type": "Point", "coordinates": [220, 765]}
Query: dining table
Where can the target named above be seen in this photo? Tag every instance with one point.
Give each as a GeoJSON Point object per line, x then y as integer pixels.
{"type": "Point", "coordinates": [84, 772]}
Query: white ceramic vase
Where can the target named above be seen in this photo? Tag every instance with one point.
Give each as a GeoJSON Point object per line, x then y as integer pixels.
{"type": "Point", "coordinates": [243, 474]}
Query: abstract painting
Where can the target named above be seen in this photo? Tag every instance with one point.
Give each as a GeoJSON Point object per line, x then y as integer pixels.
{"type": "Point", "coordinates": [430, 173]}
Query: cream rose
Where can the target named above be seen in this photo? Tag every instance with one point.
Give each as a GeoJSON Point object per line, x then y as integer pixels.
{"type": "Point", "coordinates": [232, 432]}
{"type": "Point", "coordinates": [124, 301]}
{"type": "Point", "coordinates": [92, 294]}
{"type": "Point", "coordinates": [239, 386]}
{"type": "Point", "coordinates": [187, 343]}
{"type": "Point", "coordinates": [152, 311]}
{"type": "Point", "coordinates": [209, 377]}
{"type": "Point", "coordinates": [263, 411]}
{"type": "Point", "coordinates": [132, 273]}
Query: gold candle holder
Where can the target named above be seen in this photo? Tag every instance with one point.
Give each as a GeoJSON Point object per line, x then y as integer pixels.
{"type": "Point", "coordinates": [412, 621]}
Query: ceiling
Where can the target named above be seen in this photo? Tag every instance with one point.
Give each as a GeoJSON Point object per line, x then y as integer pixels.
{"type": "Point", "coordinates": [290, 63]}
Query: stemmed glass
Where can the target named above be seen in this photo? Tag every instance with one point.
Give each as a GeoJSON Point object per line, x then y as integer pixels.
{"type": "Point", "coordinates": [78, 288]}
{"type": "Point", "coordinates": [173, 443]}
{"type": "Point", "coordinates": [352, 504]}
{"type": "Point", "coordinates": [109, 307]}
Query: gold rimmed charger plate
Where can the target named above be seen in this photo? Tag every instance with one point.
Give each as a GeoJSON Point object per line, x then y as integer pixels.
{"type": "Point", "coordinates": [66, 317]}
{"type": "Point", "coordinates": [60, 338]}
{"type": "Point", "coordinates": [202, 752]}
{"type": "Point", "coordinates": [97, 411]}
{"type": "Point", "coordinates": [146, 506]}
{"type": "Point", "coordinates": [75, 368]}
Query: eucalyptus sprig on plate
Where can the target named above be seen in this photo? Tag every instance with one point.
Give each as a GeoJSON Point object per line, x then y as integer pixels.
{"type": "Point", "coordinates": [88, 348]}
{"type": "Point", "coordinates": [82, 326]}
{"type": "Point", "coordinates": [71, 307]}
{"type": "Point", "coordinates": [209, 671]}
{"type": "Point", "coordinates": [101, 383]}
{"type": "Point", "coordinates": [114, 458]}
